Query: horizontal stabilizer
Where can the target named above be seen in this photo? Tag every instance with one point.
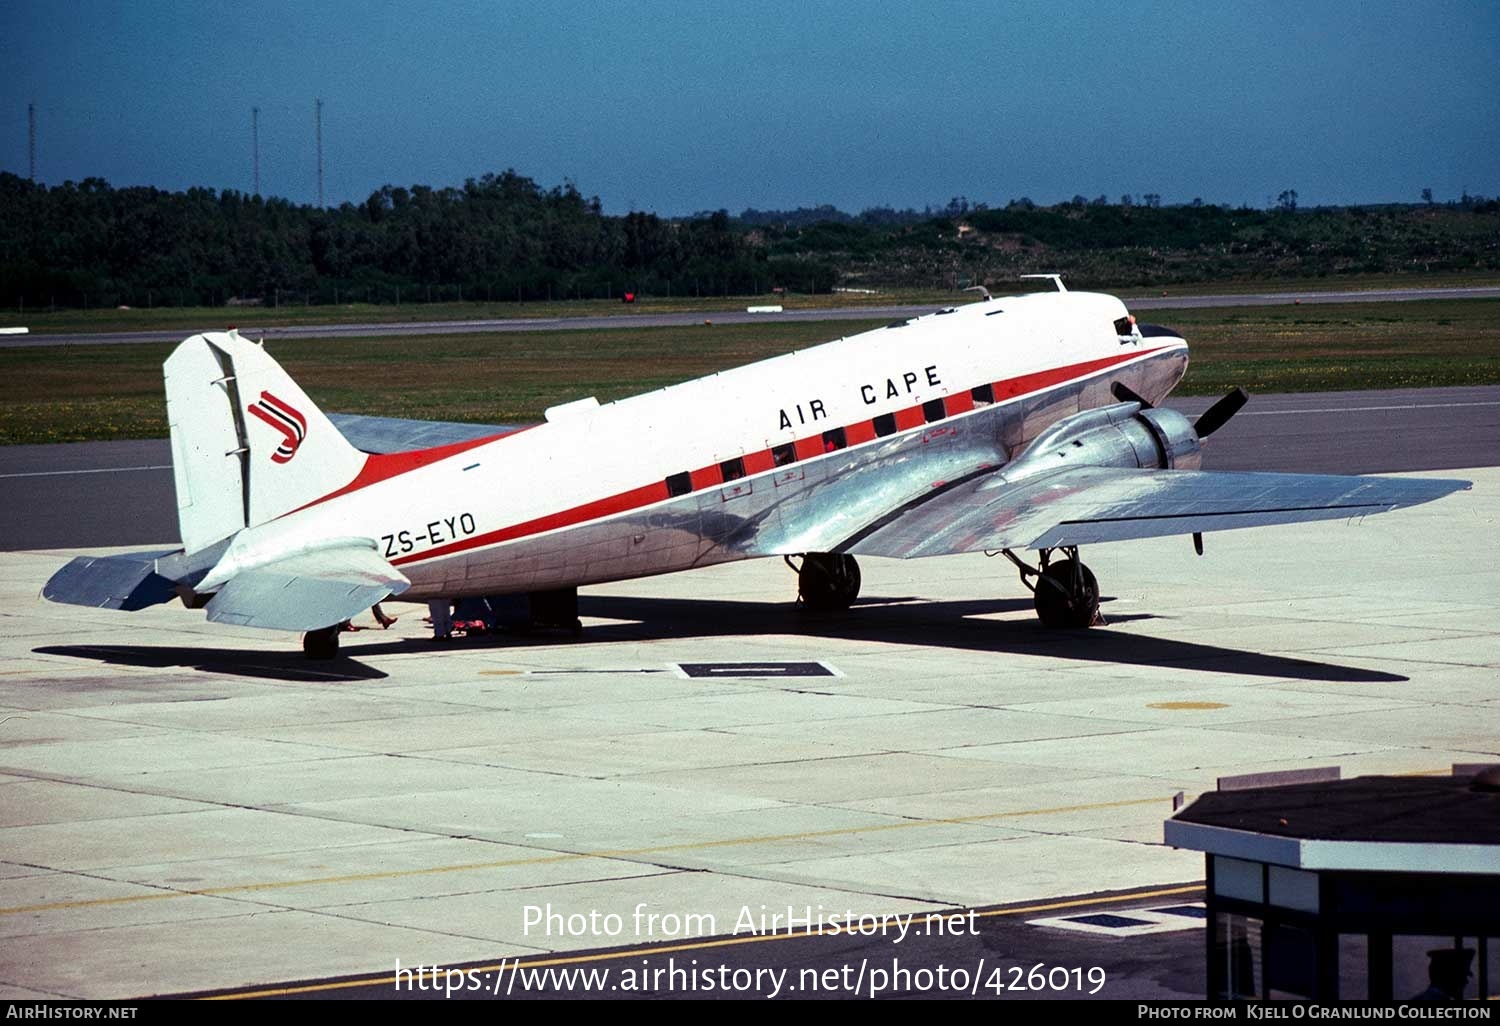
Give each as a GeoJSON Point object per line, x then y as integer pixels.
{"type": "Point", "coordinates": [127, 582]}
{"type": "Point", "coordinates": [396, 434]}
{"type": "Point", "coordinates": [308, 591]}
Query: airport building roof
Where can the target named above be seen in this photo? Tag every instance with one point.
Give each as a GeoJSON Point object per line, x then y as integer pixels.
{"type": "Point", "coordinates": [1376, 824]}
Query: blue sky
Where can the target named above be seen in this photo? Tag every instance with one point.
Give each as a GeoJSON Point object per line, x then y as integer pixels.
{"type": "Point", "coordinates": [678, 107]}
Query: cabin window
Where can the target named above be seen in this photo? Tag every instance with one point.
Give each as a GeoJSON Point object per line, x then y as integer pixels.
{"type": "Point", "coordinates": [784, 454]}
{"type": "Point", "coordinates": [834, 439]}
{"type": "Point", "coordinates": [1125, 325]}
{"type": "Point", "coordinates": [679, 484]}
{"type": "Point", "coordinates": [733, 469]}
{"type": "Point", "coordinates": [885, 424]}
{"type": "Point", "coordinates": [933, 410]}
{"type": "Point", "coordinates": [983, 394]}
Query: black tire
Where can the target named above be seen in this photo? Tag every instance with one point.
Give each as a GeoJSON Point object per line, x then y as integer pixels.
{"type": "Point", "coordinates": [1067, 599]}
{"type": "Point", "coordinates": [828, 581]}
{"type": "Point", "coordinates": [322, 644]}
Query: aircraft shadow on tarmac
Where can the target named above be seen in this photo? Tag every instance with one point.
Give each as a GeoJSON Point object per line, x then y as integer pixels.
{"type": "Point", "coordinates": [273, 664]}
{"type": "Point", "coordinates": [888, 620]}
{"type": "Point", "coordinates": [947, 625]}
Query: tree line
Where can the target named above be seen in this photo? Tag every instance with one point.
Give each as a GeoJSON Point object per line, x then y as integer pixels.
{"type": "Point", "coordinates": [499, 237]}
{"type": "Point", "coordinates": [1139, 241]}
{"type": "Point", "coordinates": [504, 237]}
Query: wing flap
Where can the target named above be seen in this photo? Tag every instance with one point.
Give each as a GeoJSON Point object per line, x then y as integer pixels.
{"type": "Point", "coordinates": [1088, 505]}
{"type": "Point", "coordinates": [307, 591]}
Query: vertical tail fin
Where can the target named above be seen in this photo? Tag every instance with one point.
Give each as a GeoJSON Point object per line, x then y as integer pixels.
{"type": "Point", "coordinates": [248, 445]}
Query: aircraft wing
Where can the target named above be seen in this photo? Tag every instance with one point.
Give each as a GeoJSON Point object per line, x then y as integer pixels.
{"type": "Point", "coordinates": [309, 590]}
{"type": "Point", "coordinates": [1087, 505]}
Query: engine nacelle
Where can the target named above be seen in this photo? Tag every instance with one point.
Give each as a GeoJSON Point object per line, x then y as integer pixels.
{"type": "Point", "coordinates": [1181, 448]}
{"type": "Point", "coordinates": [1122, 435]}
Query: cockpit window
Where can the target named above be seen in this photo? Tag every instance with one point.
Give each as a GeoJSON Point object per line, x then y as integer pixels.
{"type": "Point", "coordinates": [1125, 325]}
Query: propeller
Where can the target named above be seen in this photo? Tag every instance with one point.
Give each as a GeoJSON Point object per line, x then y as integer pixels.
{"type": "Point", "coordinates": [1217, 415]}
{"type": "Point", "coordinates": [1125, 394]}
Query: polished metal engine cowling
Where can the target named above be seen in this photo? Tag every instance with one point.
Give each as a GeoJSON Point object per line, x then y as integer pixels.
{"type": "Point", "coordinates": [1122, 435]}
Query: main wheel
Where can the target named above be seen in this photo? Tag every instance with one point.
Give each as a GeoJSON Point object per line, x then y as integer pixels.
{"type": "Point", "coordinates": [1067, 595]}
{"type": "Point", "coordinates": [322, 644]}
{"type": "Point", "coordinates": [828, 581]}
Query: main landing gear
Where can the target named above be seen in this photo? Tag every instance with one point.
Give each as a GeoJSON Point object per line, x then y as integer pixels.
{"type": "Point", "coordinates": [323, 643]}
{"type": "Point", "coordinates": [827, 582]}
{"type": "Point", "coordinates": [1065, 594]}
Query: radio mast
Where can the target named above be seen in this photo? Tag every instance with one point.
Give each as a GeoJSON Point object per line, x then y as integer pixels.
{"type": "Point", "coordinates": [255, 144]}
{"type": "Point", "coordinates": [319, 122]}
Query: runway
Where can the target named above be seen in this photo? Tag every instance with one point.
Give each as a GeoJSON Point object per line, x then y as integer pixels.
{"type": "Point", "coordinates": [646, 319]}
{"type": "Point", "coordinates": [232, 816]}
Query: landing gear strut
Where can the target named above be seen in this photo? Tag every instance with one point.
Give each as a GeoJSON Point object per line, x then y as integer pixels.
{"type": "Point", "coordinates": [826, 581]}
{"type": "Point", "coordinates": [323, 643]}
{"type": "Point", "coordinates": [1065, 594]}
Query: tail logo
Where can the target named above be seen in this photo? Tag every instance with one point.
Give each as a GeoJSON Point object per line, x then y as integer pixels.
{"type": "Point", "coordinates": [284, 418]}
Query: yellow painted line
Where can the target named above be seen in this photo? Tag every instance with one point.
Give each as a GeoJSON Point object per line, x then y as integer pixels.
{"type": "Point", "coordinates": [91, 903]}
{"type": "Point", "coordinates": [1188, 705]}
{"type": "Point", "coordinates": [722, 942]}
{"type": "Point", "coordinates": [565, 857]}
{"type": "Point", "coordinates": [1164, 892]}
{"type": "Point", "coordinates": [982, 817]}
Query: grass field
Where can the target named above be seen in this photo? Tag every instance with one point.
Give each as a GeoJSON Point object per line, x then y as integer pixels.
{"type": "Point", "coordinates": [80, 393]}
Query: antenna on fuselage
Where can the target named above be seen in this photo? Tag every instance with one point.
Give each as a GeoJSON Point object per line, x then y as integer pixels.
{"type": "Point", "coordinates": [981, 290]}
{"type": "Point", "coordinates": [1056, 279]}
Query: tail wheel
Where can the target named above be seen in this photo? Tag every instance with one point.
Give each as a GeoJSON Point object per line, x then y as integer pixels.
{"type": "Point", "coordinates": [322, 644]}
{"type": "Point", "coordinates": [1067, 595]}
{"type": "Point", "coordinates": [828, 581]}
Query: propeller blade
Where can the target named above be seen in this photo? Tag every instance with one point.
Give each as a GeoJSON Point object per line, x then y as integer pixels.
{"type": "Point", "coordinates": [1219, 413]}
{"type": "Point", "coordinates": [1125, 395]}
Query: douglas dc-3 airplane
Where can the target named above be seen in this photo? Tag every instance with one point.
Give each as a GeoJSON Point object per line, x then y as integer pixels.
{"type": "Point", "coordinates": [1010, 424]}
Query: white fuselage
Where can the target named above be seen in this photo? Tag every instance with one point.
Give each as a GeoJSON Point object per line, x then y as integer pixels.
{"type": "Point", "coordinates": [781, 456]}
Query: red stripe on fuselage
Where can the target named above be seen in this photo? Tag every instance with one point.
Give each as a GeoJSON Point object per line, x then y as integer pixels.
{"type": "Point", "coordinates": [712, 475]}
{"type": "Point", "coordinates": [646, 495]}
{"type": "Point", "coordinates": [383, 466]}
